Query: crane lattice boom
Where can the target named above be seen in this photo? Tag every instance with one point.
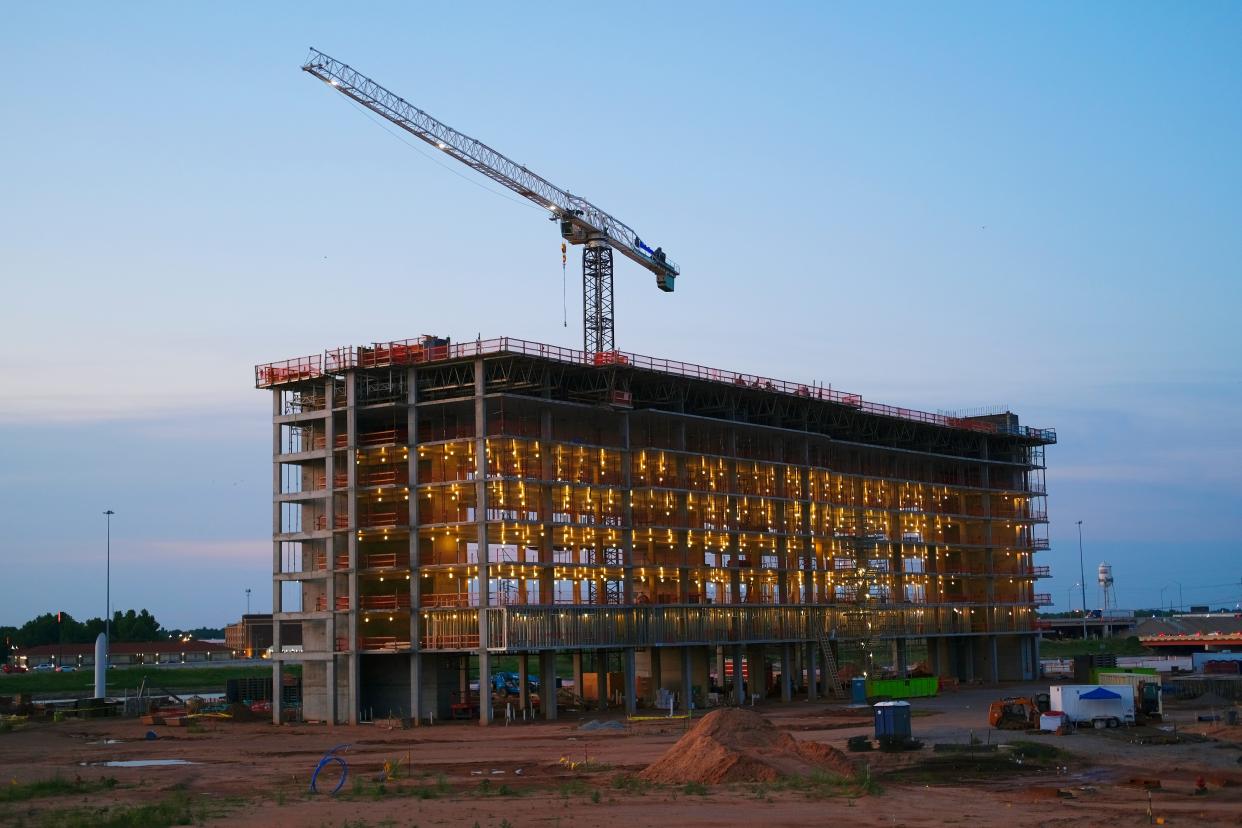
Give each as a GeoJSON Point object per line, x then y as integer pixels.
{"type": "Point", "coordinates": [581, 221]}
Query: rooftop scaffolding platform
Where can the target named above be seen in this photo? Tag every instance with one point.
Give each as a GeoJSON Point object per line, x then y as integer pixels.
{"type": "Point", "coordinates": [428, 350]}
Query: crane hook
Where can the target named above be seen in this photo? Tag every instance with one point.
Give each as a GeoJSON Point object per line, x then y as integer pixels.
{"type": "Point", "coordinates": [564, 289]}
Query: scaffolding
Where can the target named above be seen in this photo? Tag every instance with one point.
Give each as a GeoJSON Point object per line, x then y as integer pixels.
{"type": "Point", "coordinates": [528, 497]}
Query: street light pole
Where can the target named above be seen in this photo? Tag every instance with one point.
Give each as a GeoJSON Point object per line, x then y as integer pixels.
{"type": "Point", "coordinates": [1082, 573]}
{"type": "Point", "coordinates": [1162, 589]}
{"type": "Point", "coordinates": [247, 600]}
{"type": "Point", "coordinates": [108, 589]}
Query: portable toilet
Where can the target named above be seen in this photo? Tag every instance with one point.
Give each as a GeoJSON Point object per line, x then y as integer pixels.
{"type": "Point", "coordinates": [892, 720]}
{"type": "Point", "coordinates": [858, 690]}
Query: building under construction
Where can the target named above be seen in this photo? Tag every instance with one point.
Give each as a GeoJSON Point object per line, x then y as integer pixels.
{"type": "Point", "coordinates": [437, 506]}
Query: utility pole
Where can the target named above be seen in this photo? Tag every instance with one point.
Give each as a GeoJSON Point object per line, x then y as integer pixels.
{"type": "Point", "coordinates": [247, 600]}
{"type": "Point", "coordinates": [108, 589]}
{"type": "Point", "coordinates": [1082, 574]}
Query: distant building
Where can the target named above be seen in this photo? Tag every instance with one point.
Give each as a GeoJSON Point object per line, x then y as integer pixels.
{"type": "Point", "coordinates": [123, 653]}
{"type": "Point", "coordinates": [252, 636]}
{"type": "Point", "coordinates": [1190, 633]}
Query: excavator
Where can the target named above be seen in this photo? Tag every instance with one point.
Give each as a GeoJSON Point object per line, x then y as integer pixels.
{"type": "Point", "coordinates": [1017, 712]}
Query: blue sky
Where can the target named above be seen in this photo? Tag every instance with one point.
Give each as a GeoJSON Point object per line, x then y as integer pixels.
{"type": "Point", "coordinates": [943, 206]}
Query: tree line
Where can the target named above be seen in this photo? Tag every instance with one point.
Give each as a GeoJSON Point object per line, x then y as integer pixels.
{"type": "Point", "coordinates": [63, 628]}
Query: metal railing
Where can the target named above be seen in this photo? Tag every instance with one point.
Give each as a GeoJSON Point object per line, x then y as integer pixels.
{"type": "Point", "coordinates": [414, 352]}
{"type": "Point", "coordinates": [541, 627]}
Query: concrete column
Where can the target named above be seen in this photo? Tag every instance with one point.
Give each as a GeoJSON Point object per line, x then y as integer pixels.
{"type": "Point", "coordinates": [351, 498]}
{"type": "Point", "coordinates": [657, 677]}
{"type": "Point", "coordinates": [416, 580]}
{"type": "Point", "coordinates": [601, 674]}
{"type": "Point", "coordinates": [579, 687]}
{"type": "Point", "coordinates": [993, 659]}
{"type": "Point", "coordinates": [481, 507]}
{"type": "Point", "coordinates": [627, 517]}
{"type": "Point", "coordinates": [687, 679]}
{"type": "Point", "coordinates": [720, 667]}
{"type": "Point", "coordinates": [756, 660]}
{"type": "Point", "coordinates": [686, 562]}
{"type": "Point", "coordinates": [739, 681]}
{"type": "Point", "coordinates": [547, 684]}
{"type": "Point", "coordinates": [812, 668]}
{"type": "Point", "coordinates": [786, 673]}
{"type": "Point", "coordinates": [989, 552]}
{"type": "Point", "coordinates": [631, 681]}
{"type": "Point", "coordinates": [523, 683]}
{"type": "Point", "coordinates": [546, 507]}
{"type": "Point", "coordinates": [901, 657]}
{"type": "Point", "coordinates": [329, 546]}
{"type": "Point", "coordinates": [277, 605]}
{"type": "Point", "coordinates": [796, 652]}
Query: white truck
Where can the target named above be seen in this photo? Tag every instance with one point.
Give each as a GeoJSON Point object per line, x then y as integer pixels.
{"type": "Point", "coordinates": [1094, 705]}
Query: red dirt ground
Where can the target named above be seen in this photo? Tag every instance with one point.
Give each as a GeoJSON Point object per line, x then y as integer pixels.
{"type": "Point", "coordinates": [553, 774]}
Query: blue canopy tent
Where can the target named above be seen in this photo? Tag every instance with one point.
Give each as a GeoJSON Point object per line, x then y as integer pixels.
{"type": "Point", "coordinates": [1100, 693]}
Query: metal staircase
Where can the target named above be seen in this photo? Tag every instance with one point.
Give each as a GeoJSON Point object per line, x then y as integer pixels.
{"type": "Point", "coordinates": [830, 666]}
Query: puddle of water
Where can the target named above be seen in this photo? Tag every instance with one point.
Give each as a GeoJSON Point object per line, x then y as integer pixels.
{"type": "Point", "coordinates": [143, 763]}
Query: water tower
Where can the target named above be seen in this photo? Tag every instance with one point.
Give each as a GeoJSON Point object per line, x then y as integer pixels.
{"type": "Point", "coordinates": [1106, 586]}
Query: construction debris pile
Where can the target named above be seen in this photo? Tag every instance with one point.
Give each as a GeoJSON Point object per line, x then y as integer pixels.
{"type": "Point", "coordinates": [738, 745]}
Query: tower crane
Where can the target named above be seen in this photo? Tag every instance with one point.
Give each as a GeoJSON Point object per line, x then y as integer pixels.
{"type": "Point", "coordinates": [581, 222]}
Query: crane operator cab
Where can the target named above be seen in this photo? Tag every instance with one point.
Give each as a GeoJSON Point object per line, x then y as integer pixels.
{"type": "Point", "coordinates": [572, 233]}
{"type": "Point", "coordinates": [665, 277]}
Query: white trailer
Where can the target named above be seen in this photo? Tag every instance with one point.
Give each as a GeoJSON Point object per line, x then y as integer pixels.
{"type": "Point", "coordinates": [1146, 687]}
{"type": "Point", "coordinates": [1093, 704]}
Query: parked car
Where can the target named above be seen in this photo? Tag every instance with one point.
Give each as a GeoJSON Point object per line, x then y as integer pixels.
{"type": "Point", "coordinates": [13, 668]}
{"type": "Point", "coordinates": [47, 667]}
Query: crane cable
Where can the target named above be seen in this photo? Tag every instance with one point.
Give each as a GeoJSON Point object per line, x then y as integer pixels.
{"type": "Point", "coordinates": [564, 291]}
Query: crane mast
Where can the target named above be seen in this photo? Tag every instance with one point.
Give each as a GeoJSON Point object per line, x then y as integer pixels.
{"type": "Point", "coordinates": [580, 221]}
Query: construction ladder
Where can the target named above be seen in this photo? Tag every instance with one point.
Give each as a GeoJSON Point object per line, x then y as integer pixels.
{"type": "Point", "coordinates": [830, 666]}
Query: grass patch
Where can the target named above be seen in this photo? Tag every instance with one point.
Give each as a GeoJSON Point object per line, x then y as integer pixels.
{"type": "Point", "coordinates": [822, 785]}
{"type": "Point", "coordinates": [695, 789]}
{"type": "Point", "coordinates": [177, 809]}
{"type": "Point", "coordinates": [120, 679]}
{"type": "Point", "coordinates": [1038, 751]}
{"type": "Point", "coordinates": [959, 768]}
{"type": "Point", "coordinates": [573, 787]}
{"type": "Point", "coordinates": [56, 786]}
{"type": "Point", "coordinates": [629, 783]}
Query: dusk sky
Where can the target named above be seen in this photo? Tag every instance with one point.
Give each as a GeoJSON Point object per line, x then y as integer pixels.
{"type": "Point", "coordinates": [941, 206]}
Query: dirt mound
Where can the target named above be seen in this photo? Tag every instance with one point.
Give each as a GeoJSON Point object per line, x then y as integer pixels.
{"type": "Point", "coordinates": [735, 745]}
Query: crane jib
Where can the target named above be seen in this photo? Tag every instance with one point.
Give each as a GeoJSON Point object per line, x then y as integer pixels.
{"type": "Point", "coordinates": [581, 222]}
{"type": "Point", "coordinates": [484, 159]}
